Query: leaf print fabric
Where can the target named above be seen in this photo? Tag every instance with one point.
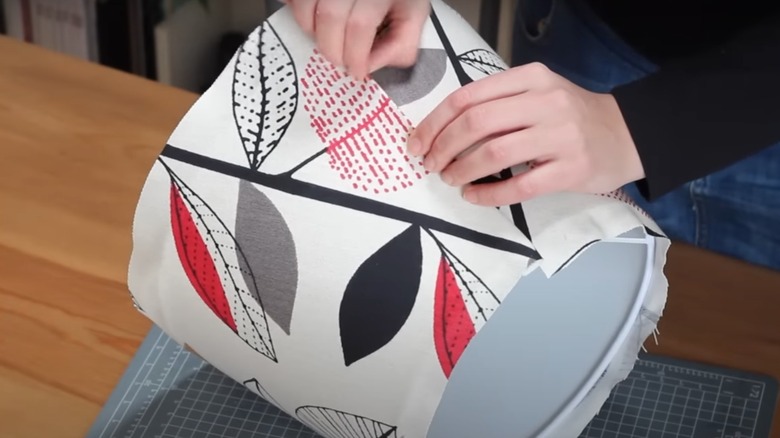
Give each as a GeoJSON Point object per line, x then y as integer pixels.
{"type": "Point", "coordinates": [209, 254]}
{"type": "Point", "coordinates": [339, 424]}
{"type": "Point", "coordinates": [380, 296]}
{"type": "Point", "coordinates": [406, 85]}
{"type": "Point", "coordinates": [265, 93]}
{"type": "Point", "coordinates": [285, 231]}
{"type": "Point", "coordinates": [269, 263]}
{"type": "Point", "coordinates": [364, 132]}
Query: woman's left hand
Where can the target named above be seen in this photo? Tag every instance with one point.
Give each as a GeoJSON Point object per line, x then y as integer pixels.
{"type": "Point", "coordinates": [577, 139]}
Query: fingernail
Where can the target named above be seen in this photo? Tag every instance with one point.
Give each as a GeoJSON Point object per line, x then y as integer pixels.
{"type": "Point", "coordinates": [470, 196]}
{"type": "Point", "coordinates": [413, 146]}
{"type": "Point", "coordinates": [447, 178]}
{"type": "Point", "coordinates": [429, 164]}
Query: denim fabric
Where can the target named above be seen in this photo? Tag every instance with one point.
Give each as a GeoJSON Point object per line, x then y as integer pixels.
{"type": "Point", "coordinates": [734, 212]}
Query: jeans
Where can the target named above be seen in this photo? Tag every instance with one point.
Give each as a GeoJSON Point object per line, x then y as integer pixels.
{"type": "Point", "coordinates": [734, 212]}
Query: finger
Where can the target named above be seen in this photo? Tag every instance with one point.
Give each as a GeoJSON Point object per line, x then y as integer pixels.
{"type": "Point", "coordinates": [500, 85]}
{"type": "Point", "coordinates": [498, 154]}
{"type": "Point", "coordinates": [488, 119]}
{"type": "Point", "coordinates": [303, 11]}
{"type": "Point", "coordinates": [541, 180]}
{"type": "Point", "coordinates": [362, 25]}
{"type": "Point", "coordinates": [329, 27]}
{"type": "Point", "coordinates": [400, 42]}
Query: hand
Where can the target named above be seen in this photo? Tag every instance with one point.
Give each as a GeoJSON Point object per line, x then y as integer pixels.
{"type": "Point", "coordinates": [346, 31]}
{"type": "Point", "coordinates": [576, 139]}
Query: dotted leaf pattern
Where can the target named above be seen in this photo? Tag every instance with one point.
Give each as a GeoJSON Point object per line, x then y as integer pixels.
{"type": "Point", "coordinates": [462, 305]}
{"type": "Point", "coordinates": [622, 196]}
{"type": "Point", "coordinates": [209, 255]}
{"type": "Point", "coordinates": [265, 93]}
{"type": "Point", "coordinates": [364, 132]}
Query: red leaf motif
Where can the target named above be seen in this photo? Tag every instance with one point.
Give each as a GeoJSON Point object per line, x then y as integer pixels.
{"type": "Point", "coordinates": [452, 324]}
{"type": "Point", "coordinates": [196, 259]}
{"type": "Point", "coordinates": [364, 132]}
{"type": "Point", "coordinates": [215, 265]}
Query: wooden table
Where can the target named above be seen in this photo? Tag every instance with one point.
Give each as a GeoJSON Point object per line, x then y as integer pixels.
{"type": "Point", "coordinates": [76, 143]}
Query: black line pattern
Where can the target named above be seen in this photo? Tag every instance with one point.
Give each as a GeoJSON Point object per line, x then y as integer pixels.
{"type": "Point", "coordinates": [358, 203]}
{"type": "Point", "coordinates": [488, 63]}
{"type": "Point", "coordinates": [255, 386]}
{"type": "Point", "coordinates": [463, 78]}
{"type": "Point", "coordinates": [573, 256]}
{"type": "Point", "coordinates": [338, 424]}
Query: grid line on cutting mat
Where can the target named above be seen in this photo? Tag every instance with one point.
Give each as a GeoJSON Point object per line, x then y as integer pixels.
{"type": "Point", "coordinates": [675, 402]}
{"type": "Point", "coordinates": [167, 392]}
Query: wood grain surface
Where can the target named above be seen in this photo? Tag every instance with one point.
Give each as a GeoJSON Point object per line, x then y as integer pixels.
{"type": "Point", "coordinates": [76, 143]}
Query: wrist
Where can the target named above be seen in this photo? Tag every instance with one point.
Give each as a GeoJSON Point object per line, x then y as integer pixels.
{"type": "Point", "coordinates": [631, 168]}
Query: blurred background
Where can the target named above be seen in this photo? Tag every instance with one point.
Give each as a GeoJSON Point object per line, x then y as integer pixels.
{"type": "Point", "coordinates": [182, 43]}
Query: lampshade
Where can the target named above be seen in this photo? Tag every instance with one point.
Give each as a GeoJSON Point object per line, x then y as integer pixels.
{"type": "Point", "coordinates": [286, 236]}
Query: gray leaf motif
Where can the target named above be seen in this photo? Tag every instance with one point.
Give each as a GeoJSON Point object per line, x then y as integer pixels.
{"type": "Point", "coordinates": [270, 266]}
{"type": "Point", "coordinates": [405, 85]}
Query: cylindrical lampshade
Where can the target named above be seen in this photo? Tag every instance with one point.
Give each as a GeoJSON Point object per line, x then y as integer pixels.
{"type": "Point", "coordinates": [286, 236]}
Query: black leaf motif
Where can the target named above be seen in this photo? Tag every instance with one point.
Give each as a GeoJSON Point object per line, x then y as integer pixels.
{"type": "Point", "coordinates": [380, 296]}
{"type": "Point", "coordinates": [265, 93]}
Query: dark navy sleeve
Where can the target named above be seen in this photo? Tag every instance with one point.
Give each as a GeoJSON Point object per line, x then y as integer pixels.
{"type": "Point", "coordinates": [700, 114]}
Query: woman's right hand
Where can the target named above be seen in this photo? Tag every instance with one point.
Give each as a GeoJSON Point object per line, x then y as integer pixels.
{"type": "Point", "coordinates": [347, 32]}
